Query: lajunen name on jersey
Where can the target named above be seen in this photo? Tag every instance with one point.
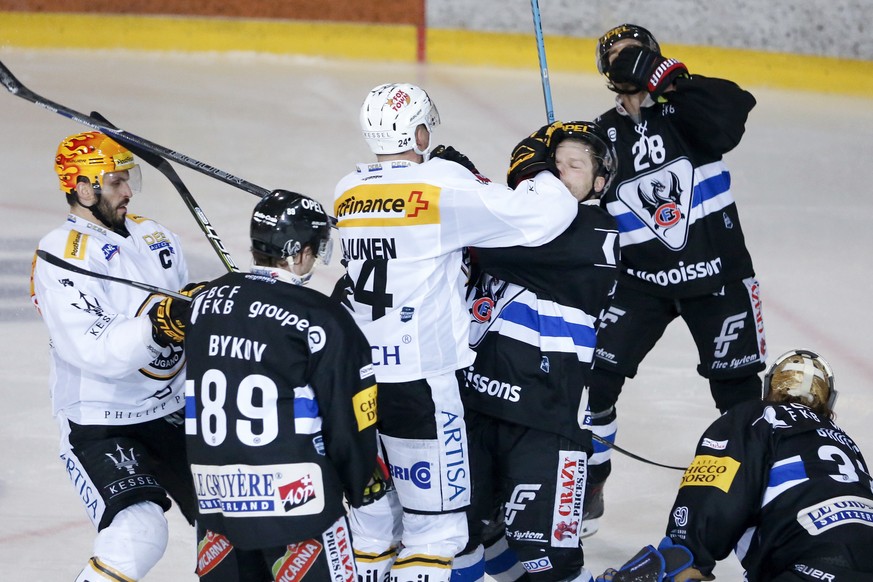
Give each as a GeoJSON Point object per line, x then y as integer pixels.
{"type": "Point", "coordinates": [369, 248]}
{"type": "Point", "coordinates": [681, 274]}
{"type": "Point", "coordinates": [229, 346]}
{"type": "Point", "coordinates": [388, 205]}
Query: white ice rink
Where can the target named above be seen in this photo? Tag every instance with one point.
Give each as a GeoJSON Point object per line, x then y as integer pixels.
{"type": "Point", "coordinates": [803, 179]}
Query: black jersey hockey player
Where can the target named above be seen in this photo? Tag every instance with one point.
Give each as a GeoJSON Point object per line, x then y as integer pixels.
{"type": "Point", "coordinates": [777, 482]}
{"type": "Point", "coordinates": [281, 414]}
{"type": "Point", "coordinates": [683, 253]}
{"type": "Point", "coordinates": [535, 312]}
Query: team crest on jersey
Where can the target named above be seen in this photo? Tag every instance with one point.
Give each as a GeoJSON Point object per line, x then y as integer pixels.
{"type": "Point", "coordinates": [109, 251]}
{"type": "Point", "coordinates": [482, 309]}
{"type": "Point", "coordinates": [662, 201]}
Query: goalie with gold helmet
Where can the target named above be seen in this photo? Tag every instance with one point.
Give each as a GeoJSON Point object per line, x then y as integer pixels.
{"type": "Point", "coordinates": [778, 482]}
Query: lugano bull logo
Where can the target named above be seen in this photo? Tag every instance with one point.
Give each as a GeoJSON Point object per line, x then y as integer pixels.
{"type": "Point", "coordinates": [663, 204]}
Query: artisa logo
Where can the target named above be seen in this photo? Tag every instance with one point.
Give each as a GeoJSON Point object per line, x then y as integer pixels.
{"type": "Point", "coordinates": [388, 205]}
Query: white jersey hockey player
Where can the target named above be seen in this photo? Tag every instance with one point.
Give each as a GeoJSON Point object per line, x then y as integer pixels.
{"type": "Point", "coordinates": [117, 377]}
{"type": "Point", "coordinates": [404, 223]}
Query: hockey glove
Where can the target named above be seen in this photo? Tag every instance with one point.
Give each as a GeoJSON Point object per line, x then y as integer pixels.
{"type": "Point", "coordinates": [379, 484]}
{"type": "Point", "coordinates": [668, 563]}
{"type": "Point", "coordinates": [645, 70]}
{"type": "Point", "coordinates": [167, 316]}
{"type": "Point", "coordinates": [533, 155]}
{"type": "Point", "coordinates": [451, 154]}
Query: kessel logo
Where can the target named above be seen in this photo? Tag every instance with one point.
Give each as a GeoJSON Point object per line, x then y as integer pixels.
{"type": "Point", "coordinates": [662, 201]}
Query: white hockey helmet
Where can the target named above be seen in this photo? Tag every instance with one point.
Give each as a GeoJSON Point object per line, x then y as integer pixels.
{"type": "Point", "coordinates": [804, 375]}
{"type": "Point", "coordinates": [390, 115]}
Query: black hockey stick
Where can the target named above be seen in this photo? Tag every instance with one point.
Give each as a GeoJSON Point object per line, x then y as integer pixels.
{"type": "Point", "coordinates": [58, 262]}
{"type": "Point", "coordinates": [614, 446]}
{"type": "Point", "coordinates": [166, 168]}
{"type": "Point", "coordinates": [16, 88]}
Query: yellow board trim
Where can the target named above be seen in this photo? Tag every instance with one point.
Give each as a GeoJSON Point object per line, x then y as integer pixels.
{"type": "Point", "coordinates": [399, 43]}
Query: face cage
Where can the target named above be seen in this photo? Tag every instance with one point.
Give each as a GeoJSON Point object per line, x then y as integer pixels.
{"type": "Point", "coordinates": [601, 50]}
{"type": "Point", "coordinates": [133, 179]}
{"type": "Point", "coordinates": [829, 375]}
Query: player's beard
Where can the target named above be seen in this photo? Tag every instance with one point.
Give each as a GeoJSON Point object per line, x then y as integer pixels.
{"type": "Point", "coordinates": [110, 213]}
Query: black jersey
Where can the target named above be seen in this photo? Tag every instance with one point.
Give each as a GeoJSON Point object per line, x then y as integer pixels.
{"type": "Point", "coordinates": [535, 315]}
{"type": "Point", "coordinates": [680, 230]}
{"type": "Point", "coordinates": [779, 483]}
{"type": "Point", "coordinates": [281, 409]}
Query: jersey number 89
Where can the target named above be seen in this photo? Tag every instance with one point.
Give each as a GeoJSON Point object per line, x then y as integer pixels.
{"type": "Point", "coordinates": [256, 398]}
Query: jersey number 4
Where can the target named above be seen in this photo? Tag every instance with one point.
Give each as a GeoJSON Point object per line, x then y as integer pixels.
{"type": "Point", "coordinates": [371, 287]}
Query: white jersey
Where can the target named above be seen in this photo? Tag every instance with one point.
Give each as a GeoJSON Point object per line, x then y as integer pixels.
{"type": "Point", "coordinates": [403, 228]}
{"type": "Point", "coordinates": [106, 368]}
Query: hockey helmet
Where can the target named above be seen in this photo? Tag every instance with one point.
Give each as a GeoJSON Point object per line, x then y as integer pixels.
{"type": "Point", "coordinates": [390, 115]}
{"type": "Point", "coordinates": [598, 142]}
{"type": "Point", "coordinates": [801, 374]}
{"type": "Point", "coordinates": [285, 222]}
{"type": "Point", "coordinates": [622, 32]}
{"type": "Point", "coordinates": [93, 155]}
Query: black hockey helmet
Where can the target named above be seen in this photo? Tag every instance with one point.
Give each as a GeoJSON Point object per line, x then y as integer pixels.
{"type": "Point", "coordinates": [622, 32]}
{"type": "Point", "coordinates": [284, 222]}
{"type": "Point", "coordinates": [596, 139]}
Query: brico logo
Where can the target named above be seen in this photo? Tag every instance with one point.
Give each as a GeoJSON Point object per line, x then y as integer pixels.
{"type": "Point", "coordinates": [388, 205]}
{"type": "Point", "coordinates": [710, 471]}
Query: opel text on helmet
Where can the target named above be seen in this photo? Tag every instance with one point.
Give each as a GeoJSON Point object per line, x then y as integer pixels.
{"type": "Point", "coordinates": [390, 115]}
{"type": "Point", "coordinates": [94, 156]}
{"type": "Point", "coordinates": [622, 32]}
{"type": "Point", "coordinates": [284, 223]}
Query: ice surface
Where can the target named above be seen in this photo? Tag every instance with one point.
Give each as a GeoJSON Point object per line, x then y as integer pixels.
{"type": "Point", "coordinates": [802, 177]}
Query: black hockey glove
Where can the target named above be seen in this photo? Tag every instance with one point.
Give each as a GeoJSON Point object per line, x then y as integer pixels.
{"type": "Point", "coordinates": [533, 155]}
{"type": "Point", "coordinates": [451, 154]}
{"type": "Point", "coordinates": [168, 324]}
{"type": "Point", "coordinates": [668, 563]}
{"type": "Point", "coordinates": [645, 69]}
{"type": "Point", "coordinates": [379, 484]}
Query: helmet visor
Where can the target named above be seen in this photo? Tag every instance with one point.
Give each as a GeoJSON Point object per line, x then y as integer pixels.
{"type": "Point", "coordinates": [325, 249]}
{"type": "Point", "coordinates": [113, 182]}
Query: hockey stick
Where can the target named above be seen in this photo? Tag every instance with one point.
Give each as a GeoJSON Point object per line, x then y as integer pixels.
{"type": "Point", "coordinates": [164, 167]}
{"type": "Point", "coordinates": [16, 88]}
{"type": "Point", "coordinates": [614, 446]}
{"type": "Point", "coordinates": [550, 115]}
{"type": "Point", "coordinates": [58, 262]}
{"type": "Point", "coordinates": [541, 51]}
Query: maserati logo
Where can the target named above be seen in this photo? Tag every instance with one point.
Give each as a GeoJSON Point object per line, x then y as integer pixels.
{"type": "Point", "coordinates": [124, 461]}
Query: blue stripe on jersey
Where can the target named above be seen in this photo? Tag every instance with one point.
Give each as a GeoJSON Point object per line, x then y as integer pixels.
{"type": "Point", "coordinates": [703, 191]}
{"type": "Point", "coordinates": [710, 188]}
{"type": "Point", "coordinates": [549, 325]}
{"type": "Point", "coordinates": [784, 475]}
{"type": "Point", "coordinates": [305, 408]}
